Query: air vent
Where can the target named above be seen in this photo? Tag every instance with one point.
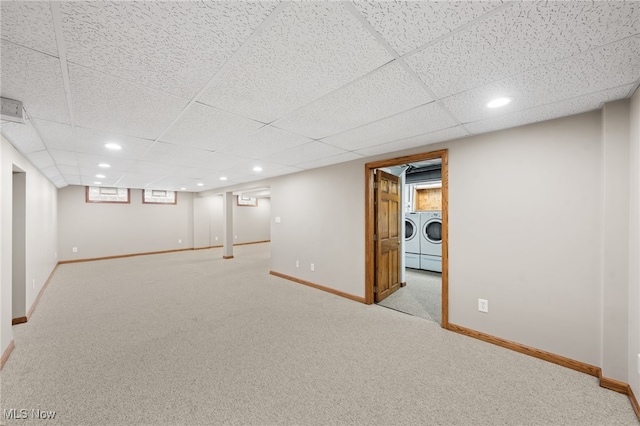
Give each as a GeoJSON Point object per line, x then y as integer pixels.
{"type": "Point", "coordinates": [11, 111]}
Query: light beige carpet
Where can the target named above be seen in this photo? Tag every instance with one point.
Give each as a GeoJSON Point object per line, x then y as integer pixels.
{"type": "Point", "coordinates": [421, 297]}
{"type": "Point", "coordinates": [190, 339]}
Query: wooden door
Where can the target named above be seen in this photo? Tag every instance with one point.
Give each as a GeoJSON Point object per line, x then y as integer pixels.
{"type": "Point", "coordinates": [387, 238]}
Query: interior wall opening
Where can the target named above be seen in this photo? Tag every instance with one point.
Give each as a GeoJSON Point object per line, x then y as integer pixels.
{"type": "Point", "coordinates": [18, 247]}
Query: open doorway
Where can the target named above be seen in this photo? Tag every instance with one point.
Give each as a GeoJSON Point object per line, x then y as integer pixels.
{"type": "Point", "coordinates": [423, 274]}
{"type": "Point", "coordinates": [18, 247]}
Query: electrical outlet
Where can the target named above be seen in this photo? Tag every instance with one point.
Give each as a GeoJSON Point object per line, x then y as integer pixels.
{"type": "Point", "coordinates": [75, 249]}
{"type": "Point", "coordinates": [483, 305]}
{"type": "Point", "coordinates": [33, 283]}
{"type": "Point", "coordinates": [55, 254]}
{"type": "Point", "coordinates": [297, 263]}
{"type": "Point", "coordinates": [638, 363]}
{"type": "Point", "coordinates": [179, 241]}
{"type": "Point", "coordinates": [236, 237]}
{"type": "Point", "coordinates": [216, 238]}
{"type": "Point", "coordinates": [313, 267]}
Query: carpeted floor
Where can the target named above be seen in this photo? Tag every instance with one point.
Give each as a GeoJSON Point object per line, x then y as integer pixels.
{"type": "Point", "coordinates": [421, 297]}
{"type": "Point", "coordinates": [190, 339]}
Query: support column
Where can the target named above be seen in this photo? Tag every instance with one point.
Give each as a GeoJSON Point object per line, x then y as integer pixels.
{"type": "Point", "coordinates": [227, 226]}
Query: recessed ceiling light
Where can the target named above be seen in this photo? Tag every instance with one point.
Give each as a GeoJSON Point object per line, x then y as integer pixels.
{"type": "Point", "coordinates": [257, 169]}
{"type": "Point", "coordinates": [200, 184]}
{"type": "Point", "coordinates": [183, 189]}
{"type": "Point", "coordinates": [104, 165]}
{"type": "Point", "coordinates": [100, 176]}
{"type": "Point", "coordinates": [498, 102]}
{"type": "Point", "coordinates": [113, 146]}
{"type": "Point", "coordinates": [223, 178]}
{"type": "Point", "coordinates": [97, 183]}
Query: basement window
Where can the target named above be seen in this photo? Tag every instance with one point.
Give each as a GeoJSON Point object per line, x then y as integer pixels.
{"type": "Point", "coordinates": [156, 196]}
{"type": "Point", "coordinates": [104, 194]}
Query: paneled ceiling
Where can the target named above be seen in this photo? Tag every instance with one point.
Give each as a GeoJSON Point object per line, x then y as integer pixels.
{"type": "Point", "coordinates": [197, 92]}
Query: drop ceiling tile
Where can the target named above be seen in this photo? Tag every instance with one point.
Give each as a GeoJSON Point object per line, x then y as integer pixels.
{"type": "Point", "coordinates": [135, 180]}
{"type": "Point", "coordinates": [22, 136]}
{"type": "Point", "coordinates": [415, 141]}
{"type": "Point", "coordinates": [29, 24]}
{"type": "Point", "coordinates": [209, 128]}
{"type": "Point", "coordinates": [106, 103]}
{"type": "Point", "coordinates": [611, 66]}
{"type": "Point", "coordinates": [91, 161]}
{"type": "Point", "coordinates": [51, 172]}
{"type": "Point", "coordinates": [65, 158]}
{"type": "Point", "coordinates": [266, 141]}
{"type": "Point", "coordinates": [59, 182]}
{"type": "Point", "coordinates": [92, 142]}
{"type": "Point", "coordinates": [521, 37]}
{"type": "Point", "coordinates": [309, 50]}
{"type": "Point", "coordinates": [406, 25]}
{"type": "Point", "coordinates": [41, 159]}
{"type": "Point", "coordinates": [144, 167]}
{"type": "Point", "coordinates": [335, 159]}
{"type": "Point", "coordinates": [35, 79]}
{"type": "Point", "coordinates": [91, 181]}
{"type": "Point", "coordinates": [387, 91]}
{"type": "Point", "coordinates": [190, 172]}
{"type": "Point", "coordinates": [549, 111]}
{"type": "Point", "coordinates": [186, 156]}
{"type": "Point", "coordinates": [303, 153]}
{"type": "Point", "coordinates": [279, 172]}
{"type": "Point", "coordinates": [56, 135]}
{"type": "Point", "coordinates": [175, 47]}
{"type": "Point", "coordinates": [66, 169]}
{"type": "Point", "coordinates": [424, 119]}
{"type": "Point", "coordinates": [72, 179]}
{"type": "Point", "coordinates": [245, 168]}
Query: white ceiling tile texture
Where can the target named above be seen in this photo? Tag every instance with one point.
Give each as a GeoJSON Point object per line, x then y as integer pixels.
{"type": "Point", "coordinates": [311, 49]}
{"type": "Point", "coordinates": [267, 140]}
{"type": "Point", "coordinates": [407, 25]}
{"type": "Point", "coordinates": [607, 67]}
{"type": "Point", "coordinates": [313, 150]}
{"type": "Point", "coordinates": [546, 112]}
{"type": "Point", "coordinates": [171, 46]}
{"type": "Point", "coordinates": [109, 104]}
{"type": "Point", "coordinates": [35, 79]}
{"type": "Point", "coordinates": [24, 138]}
{"type": "Point", "coordinates": [91, 141]}
{"type": "Point", "coordinates": [424, 119]}
{"type": "Point", "coordinates": [209, 128]}
{"type": "Point", "coordinates": [415, 141]}
{"type": "Point", "coordinates": [523, 36]}
{"type": "Point", "coordinates": [387, 91]}
{"type": "Point", "coordinates": [56, 135]}
{"type": "Point", "coordinates": [196, 90]}
{"type": "Point", "coordinates": [29, 24]}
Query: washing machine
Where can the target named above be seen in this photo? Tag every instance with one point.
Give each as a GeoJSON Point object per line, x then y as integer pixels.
{"type": "Point", "coordinates": [412, 240]}
{"type": "Point", "coordinates": [431, 240]}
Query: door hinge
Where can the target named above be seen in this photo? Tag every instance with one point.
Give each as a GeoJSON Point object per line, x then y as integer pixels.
{"type": "Point", "coordinates": [375, 289]}
{"type": "Point", "coordinates": [375, 237]}
{"type": "Point", "coordinates": [375, 185]}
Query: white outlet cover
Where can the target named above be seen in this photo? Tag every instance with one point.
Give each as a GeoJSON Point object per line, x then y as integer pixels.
{"type": "Point", "coordinates": [483, 305]}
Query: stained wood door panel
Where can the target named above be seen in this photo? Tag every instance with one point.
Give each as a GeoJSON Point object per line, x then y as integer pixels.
{"type": "Point", "coordinates": [387, 247]}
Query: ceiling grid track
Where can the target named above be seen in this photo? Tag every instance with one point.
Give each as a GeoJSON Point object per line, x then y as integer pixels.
{"type": "Point", "coordinates": [265, 24]}
{"type": "Point", "coordinates": [64, 67]}
{"type": "Point", "coordinates": [401, 61]}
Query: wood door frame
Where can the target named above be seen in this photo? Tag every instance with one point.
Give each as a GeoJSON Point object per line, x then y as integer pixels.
{"type": "Point", "coordinates": [369, 223]}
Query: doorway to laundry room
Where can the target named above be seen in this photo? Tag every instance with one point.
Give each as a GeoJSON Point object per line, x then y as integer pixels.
{"type": "Point", "coordinates": [421, 224]}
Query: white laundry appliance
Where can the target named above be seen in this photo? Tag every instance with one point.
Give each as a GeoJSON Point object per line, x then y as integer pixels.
{"type": "Point", "coordinates": [431, 240]}
{"type": "Point", "coordinates": [412, 240]}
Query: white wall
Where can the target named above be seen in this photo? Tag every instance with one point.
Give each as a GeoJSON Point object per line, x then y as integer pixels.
{"type": "Point", "coordinates": [40, 239]}
{"type": "Point", "coordinates": [250, 224]}
{"type": "Point", "coordinates": [634, 246]}
{"type": "Point", "coordinates": [110, 229]}
{"type": "Point", "coordinates": [524, 232]}
{"type": "Point", "coordinates": [615, 239]}
{"type": "Point", "coordinates": [322, 222]}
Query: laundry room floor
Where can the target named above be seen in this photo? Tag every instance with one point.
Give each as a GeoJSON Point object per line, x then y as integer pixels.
{"type": "Point", "coordinates": [421, 297]}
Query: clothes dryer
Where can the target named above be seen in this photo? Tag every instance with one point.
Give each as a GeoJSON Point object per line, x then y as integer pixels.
{"type": "Point", "coordinates": [431, 241]}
